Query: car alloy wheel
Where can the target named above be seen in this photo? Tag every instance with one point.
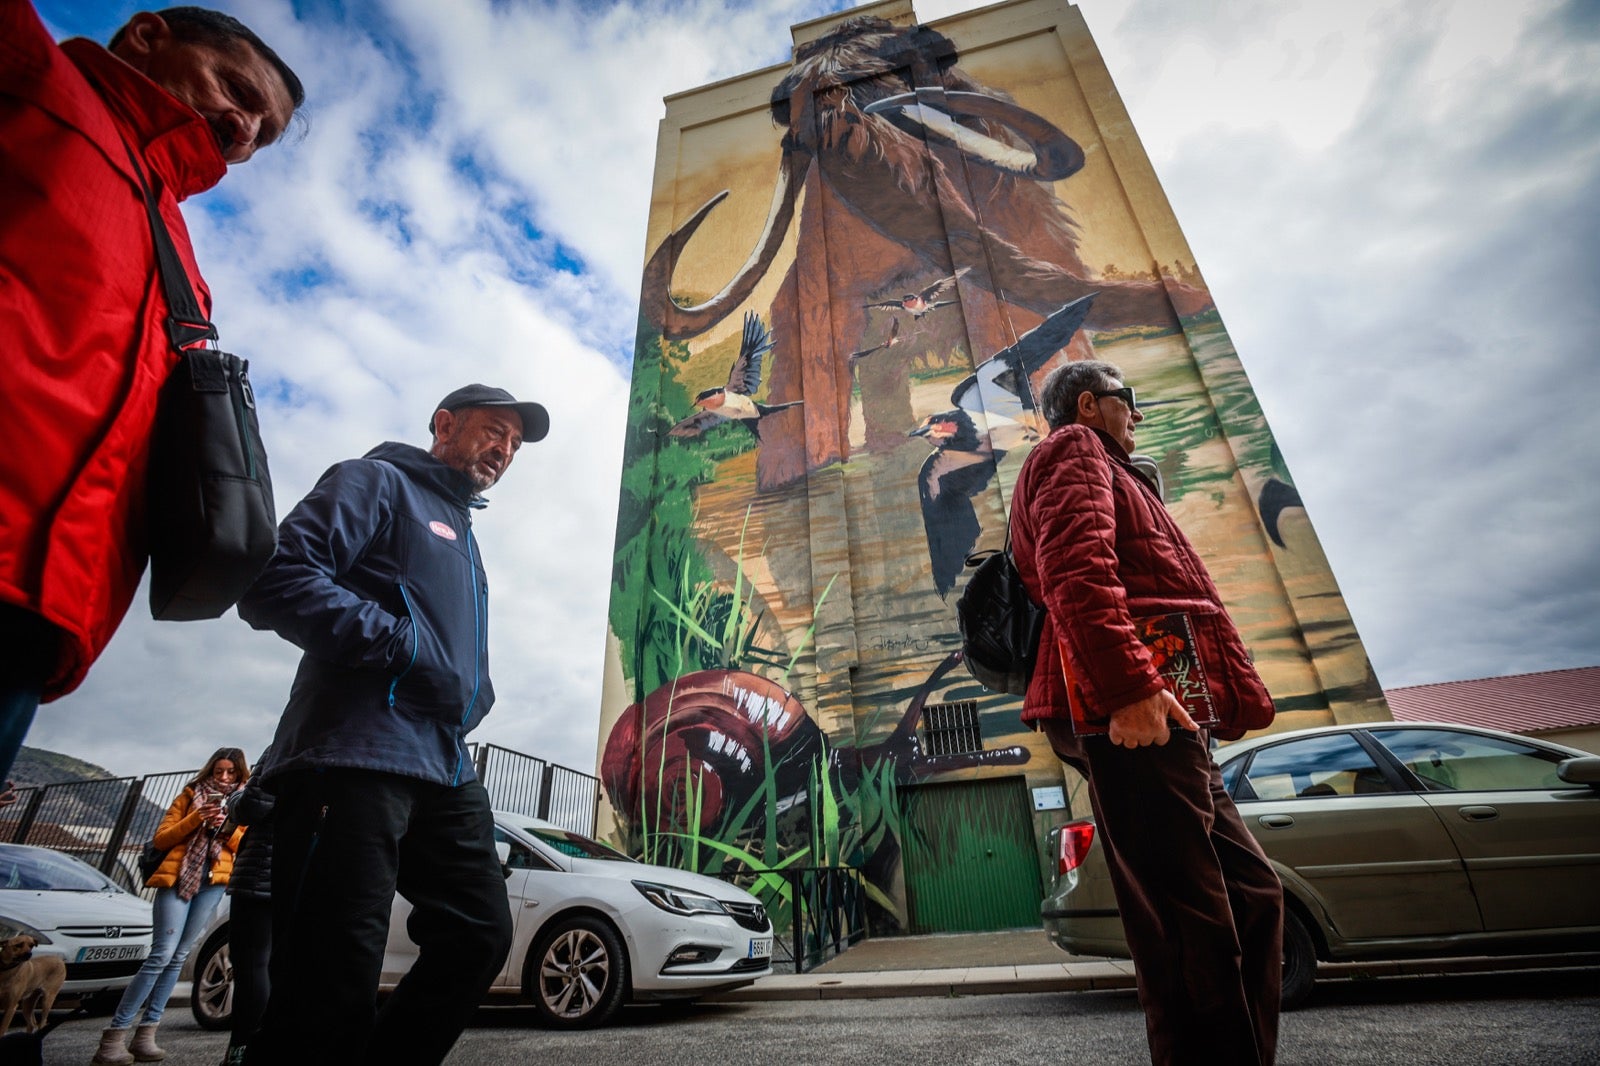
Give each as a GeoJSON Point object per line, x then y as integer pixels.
{"type": "Point", "coordinates": [211, 999]}
{"type": "Point", "coordinates": [580, 973]}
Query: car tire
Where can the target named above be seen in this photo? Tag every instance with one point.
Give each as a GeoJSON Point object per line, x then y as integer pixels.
{"type": "Point", "coordinates": [577, 972]}
{"type": "Point", "coordinates": [1299, 961]}
{"type": "Point", "coordinates": [211, 998]}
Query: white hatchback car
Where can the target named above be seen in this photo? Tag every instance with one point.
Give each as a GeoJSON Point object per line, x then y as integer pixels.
{"type": "Point", "coordinates": [594, 929]}
{"type": "Point", "coordinates": [76, 912]}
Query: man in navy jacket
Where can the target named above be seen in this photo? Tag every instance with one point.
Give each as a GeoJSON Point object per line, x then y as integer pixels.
{"type": "Point", "coordinates": [377, 578]}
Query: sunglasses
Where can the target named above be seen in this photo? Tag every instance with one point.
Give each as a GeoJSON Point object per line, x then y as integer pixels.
{"type": "Point", "coordinates": [1125, 394]}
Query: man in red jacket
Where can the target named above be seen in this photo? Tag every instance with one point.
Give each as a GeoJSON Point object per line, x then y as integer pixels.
{"type": "Point", "coordinates": [82, 310]}
{"type": "Point", "coordinates": [1201, 905]}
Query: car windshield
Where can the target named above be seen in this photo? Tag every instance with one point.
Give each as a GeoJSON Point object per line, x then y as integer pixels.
{"type": "Point", "coordinates": [42, 870]}
{"type": "Point", "coordinates": [574, 844]}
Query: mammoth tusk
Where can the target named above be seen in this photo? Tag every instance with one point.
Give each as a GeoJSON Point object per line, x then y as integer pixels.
{"type": "Point", "coordinates": [677, 322]}
{"type": "Point", "coordinates": [1050, 155]}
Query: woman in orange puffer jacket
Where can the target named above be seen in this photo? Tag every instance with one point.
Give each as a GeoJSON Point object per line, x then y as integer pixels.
{"type": "Point", "coordinates": [189, 884]}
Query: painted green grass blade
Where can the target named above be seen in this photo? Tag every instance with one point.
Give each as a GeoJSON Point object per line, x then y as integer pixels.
{"type": "Point", "coordinates": [811, 631]}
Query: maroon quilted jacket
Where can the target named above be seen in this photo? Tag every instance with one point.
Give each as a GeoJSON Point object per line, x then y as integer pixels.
{"type": "Point", "coordinates": [1095, 545]}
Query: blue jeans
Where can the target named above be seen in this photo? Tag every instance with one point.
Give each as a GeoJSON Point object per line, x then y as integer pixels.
{"type": "Point", "coordinates": [28, 649]}
{"type": "Point", "coordinates": [179, 924]}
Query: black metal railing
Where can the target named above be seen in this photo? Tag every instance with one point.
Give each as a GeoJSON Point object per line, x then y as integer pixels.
{"type": "Point", "coordinates": [816, 911]}
{"type": "Point", "coordinates": [530, 785]}
{"type": "Point", "coordinates": [106, 822]}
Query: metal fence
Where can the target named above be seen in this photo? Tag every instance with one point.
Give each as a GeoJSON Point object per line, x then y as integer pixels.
{"type": "Point", "coordinates": [106, 822]}
{"type": "Point", "coordinates": [821, 913]}
{"type": "Point", "coordinates": [529, 785]}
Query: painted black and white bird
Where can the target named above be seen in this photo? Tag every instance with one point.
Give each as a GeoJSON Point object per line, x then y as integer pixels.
{"type": "Point", "coordinates": [917, 304]}
{"type": "Point", "coordinates": [961, 466]}
{"type": "Point", "coordinates": [1000, 389]}
{"type": "Point", "coordinates": [735, 402]}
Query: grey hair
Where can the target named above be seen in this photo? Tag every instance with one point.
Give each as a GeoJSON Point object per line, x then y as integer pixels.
{"type": "Point", "coordinates": [1058, 396]}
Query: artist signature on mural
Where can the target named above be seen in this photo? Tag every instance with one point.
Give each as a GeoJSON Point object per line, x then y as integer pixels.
{"type": "Point", "coordinates": [902, 644]}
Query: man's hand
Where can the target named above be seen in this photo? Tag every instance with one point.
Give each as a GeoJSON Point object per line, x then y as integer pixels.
{"type": "Point", "coordinates": [1145, 722]}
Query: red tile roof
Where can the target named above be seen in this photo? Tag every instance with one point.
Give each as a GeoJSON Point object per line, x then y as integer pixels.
{"type": "Point", "coordinates": [1520, 703]}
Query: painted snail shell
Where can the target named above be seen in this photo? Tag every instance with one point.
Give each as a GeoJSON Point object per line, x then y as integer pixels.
{"type": "Point", "coordinates": [718, 732]}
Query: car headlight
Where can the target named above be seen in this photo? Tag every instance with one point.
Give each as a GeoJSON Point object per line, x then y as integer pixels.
{"type": "Point", "coordinates": [678, 900]}
{"type": "Point", "coordinates": [10, 927]}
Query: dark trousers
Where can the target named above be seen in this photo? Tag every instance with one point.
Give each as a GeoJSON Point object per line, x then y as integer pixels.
{"type": "Point", "coordinates": [345, 841]}
{"type": "Point", "coordinates": [29, 647]}
{"type": "Point", "coordinates": [249, 948]}
{"type": "Point", "coordinates": [1200, 903]}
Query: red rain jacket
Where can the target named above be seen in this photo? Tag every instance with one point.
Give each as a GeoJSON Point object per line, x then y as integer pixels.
{"type": "Point", "coordinates": [1095, 545]}
{"type": "Point", "coordinates": [82, 344]}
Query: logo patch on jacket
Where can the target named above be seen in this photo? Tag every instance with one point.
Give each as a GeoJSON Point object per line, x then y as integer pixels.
{"type": "Point", "coordinates": [440, 529]}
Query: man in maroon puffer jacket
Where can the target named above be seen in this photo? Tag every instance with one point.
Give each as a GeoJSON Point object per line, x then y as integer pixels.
{"type": "Point", "coordinates": [83, 343]}
{"type": "Point", "coordinates": [1202, 907]}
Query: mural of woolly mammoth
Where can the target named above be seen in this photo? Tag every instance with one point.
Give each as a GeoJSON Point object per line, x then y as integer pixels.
{"type": "Point", "coordinates": [910, 168]}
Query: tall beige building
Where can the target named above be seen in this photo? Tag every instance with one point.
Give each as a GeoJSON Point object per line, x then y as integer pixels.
{"type": "Point", "coordinates": [860, 264]}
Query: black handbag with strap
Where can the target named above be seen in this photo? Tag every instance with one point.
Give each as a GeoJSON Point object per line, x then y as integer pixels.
{"type": "Point", "coordinates": [150, 860]}
{"type": "Point", "coordinates": [210, 521]}
{"type": "Point", "coordinates": [1000, 623]}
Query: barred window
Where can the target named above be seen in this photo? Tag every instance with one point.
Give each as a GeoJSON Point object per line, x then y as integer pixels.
{"type": "Point", "coordinates": [951, 728]}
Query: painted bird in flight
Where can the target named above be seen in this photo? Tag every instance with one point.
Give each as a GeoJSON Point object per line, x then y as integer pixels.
{"type": "Point", "coordinates": [972, 437]}
{"type": "Point", "coordinates": [734, 402]}
{"type": "Point", "coordinates": [961, 466]}
{"type": "Point", "coordinates": [892, 340]}
{"type": "Point", "coordinates": [1000, 389]}
{"type": "Point", "coordinates": [918, 304]}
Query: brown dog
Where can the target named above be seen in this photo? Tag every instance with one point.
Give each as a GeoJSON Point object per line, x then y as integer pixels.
{"type": "Point", "coordinates": [28, 982]}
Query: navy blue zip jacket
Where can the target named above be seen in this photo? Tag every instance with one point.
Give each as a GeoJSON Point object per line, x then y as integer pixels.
{"type": "Point", "coordinates": [377, 579]}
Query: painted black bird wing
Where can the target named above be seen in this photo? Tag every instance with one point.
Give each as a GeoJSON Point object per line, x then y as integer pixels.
{"type": "Point", "coordinates": [696, 424]}
{"type": "Point", "coordinates": [942, 286]}
{"type": "Point", "coordinates": [948, 481]}
{"type": "Point", "coordinates": [745, 377]}
{"type": "Point", "coordinates": [1037, 347]}
{"type": "Point", "coordinates": [999, 391]}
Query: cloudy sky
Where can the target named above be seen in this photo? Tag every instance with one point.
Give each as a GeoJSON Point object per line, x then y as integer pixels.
{"type": "Point", "coordinates": [1394, 204]}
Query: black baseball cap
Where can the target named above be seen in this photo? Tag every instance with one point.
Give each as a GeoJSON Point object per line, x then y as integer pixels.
{"type": "Point", "coordinates": [535, 419]}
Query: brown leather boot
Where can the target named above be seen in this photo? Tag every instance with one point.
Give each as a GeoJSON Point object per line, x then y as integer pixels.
{"type": "Point", "coordinates": [144, 1045]}
{"type": "Point", "coordinates": [111, 1051]}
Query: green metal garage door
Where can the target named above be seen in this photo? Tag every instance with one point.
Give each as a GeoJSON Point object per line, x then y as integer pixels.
{"type": "Point", "coordinates": [969, 857]}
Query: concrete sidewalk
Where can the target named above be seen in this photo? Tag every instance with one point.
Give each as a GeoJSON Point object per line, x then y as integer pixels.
{"type": "Point", "coordinates": [975, 964]}
{"type": "Point", "coordinates": [946, 964]}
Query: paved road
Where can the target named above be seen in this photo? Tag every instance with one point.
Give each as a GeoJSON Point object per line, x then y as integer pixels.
{"type": "Point", "coordinates": [1477, 1020]}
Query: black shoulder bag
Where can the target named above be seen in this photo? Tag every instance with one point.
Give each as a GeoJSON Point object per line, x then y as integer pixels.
{"type": "Point", "coordinates": [210, 519]}
{"type": "Point", "coordinates": [1000, 623]}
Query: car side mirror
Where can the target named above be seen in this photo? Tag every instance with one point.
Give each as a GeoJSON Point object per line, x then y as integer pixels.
{"type": "Point", "coordinates": [502, 850]}
{"type": "Point", "coordinates": [1580, 771]}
